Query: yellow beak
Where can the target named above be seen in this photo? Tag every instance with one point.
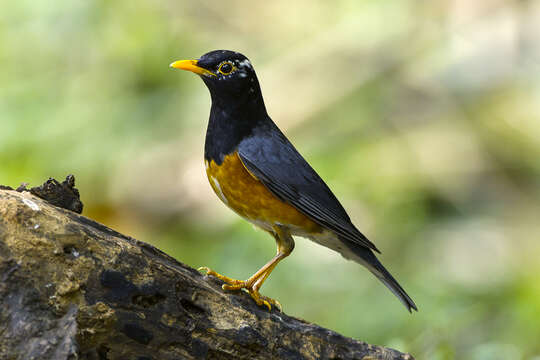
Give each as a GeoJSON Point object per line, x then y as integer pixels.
{"type": "Point", "coordinates": [191, 65]}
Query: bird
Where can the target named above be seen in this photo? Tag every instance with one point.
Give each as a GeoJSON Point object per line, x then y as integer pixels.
{"type": "Point", "coordinates": [258, 173]}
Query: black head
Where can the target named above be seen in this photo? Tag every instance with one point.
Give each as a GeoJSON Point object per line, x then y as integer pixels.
{"type": "Point", "coordinates": [237, 104]}
{"type": "Point", "coordinates": [229, 76]}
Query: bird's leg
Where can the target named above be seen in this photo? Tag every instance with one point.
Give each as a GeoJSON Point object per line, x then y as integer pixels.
{"type": "Point", "coordinates": [285, 245]}
{"type": "Point", "coordinates": [254, 290]}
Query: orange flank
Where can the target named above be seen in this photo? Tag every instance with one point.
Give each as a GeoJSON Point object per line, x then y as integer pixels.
{"type": "Point", "coordinates": [249, 198]}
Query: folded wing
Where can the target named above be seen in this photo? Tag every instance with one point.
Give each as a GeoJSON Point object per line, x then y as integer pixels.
{"type": "Point", "coordinates": [270, 157]}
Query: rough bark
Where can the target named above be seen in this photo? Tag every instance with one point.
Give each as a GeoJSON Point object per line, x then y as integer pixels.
{"type": "Point", "coordinates": [71, 288]}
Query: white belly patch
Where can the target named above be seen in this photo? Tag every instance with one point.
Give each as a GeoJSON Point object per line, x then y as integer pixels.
{"type": "Point", "coordinates": [219, 191]}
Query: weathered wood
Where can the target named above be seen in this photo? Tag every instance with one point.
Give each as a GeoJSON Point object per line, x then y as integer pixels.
{"type": "Point", "coordinates": [71, 288]}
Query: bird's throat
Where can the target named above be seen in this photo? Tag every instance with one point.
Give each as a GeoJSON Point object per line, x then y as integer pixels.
{"type": "Point", "coordinates": [228, 126]}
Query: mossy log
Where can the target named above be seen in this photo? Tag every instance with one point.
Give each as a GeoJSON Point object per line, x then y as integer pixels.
{"type": "Point", "coordinates": [71, 288]}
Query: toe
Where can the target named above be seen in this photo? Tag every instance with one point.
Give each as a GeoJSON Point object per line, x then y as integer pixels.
{"type": "Point", "coordinates": [234, 286]}
{"type": "Point", "coordinates": [237, 284]}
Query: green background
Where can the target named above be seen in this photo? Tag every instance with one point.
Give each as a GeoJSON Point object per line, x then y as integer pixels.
{"type": "Point", "coordinates": [423, 117]}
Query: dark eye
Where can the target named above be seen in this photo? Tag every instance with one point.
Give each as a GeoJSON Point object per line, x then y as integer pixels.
{"type": "Point", "coordinates": [226, 68]}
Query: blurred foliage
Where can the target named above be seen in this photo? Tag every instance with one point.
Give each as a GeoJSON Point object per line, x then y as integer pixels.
{"type": "Point", "coordinates": [423, 117]}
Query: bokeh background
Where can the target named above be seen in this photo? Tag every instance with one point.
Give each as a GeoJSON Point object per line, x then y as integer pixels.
{"type": "Point", "coordinates": [423, 117]}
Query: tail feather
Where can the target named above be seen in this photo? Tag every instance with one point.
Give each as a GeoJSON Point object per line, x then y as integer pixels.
{"type": "Point", "coordinates": [366, 257]}
{"type": "Point", "coordinates": [387, 279]}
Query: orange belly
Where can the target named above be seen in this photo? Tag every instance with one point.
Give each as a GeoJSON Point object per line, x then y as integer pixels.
{"type": "Point", "coordinates": [249, 198]}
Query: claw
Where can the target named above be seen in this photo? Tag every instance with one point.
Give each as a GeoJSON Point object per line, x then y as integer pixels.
{"type": "Point", "coordinates": [278, 305]}
{"type": "Point", "coordinates": [264, 300]}
{"type": "Point", "coordinates": [267, 301]}
{"type": "Point", "coordinates": [267, 304]}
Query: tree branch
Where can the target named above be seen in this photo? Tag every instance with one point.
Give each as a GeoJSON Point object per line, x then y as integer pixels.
{"type": "Point", "coordinates": [71, 288]}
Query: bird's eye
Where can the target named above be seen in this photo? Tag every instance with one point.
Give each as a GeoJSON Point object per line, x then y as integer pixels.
{"type": "Point", "coordinates": [226, 68]}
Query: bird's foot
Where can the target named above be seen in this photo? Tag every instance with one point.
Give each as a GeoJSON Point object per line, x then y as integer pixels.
{"type": "Point", "coordinates": [249, 285]}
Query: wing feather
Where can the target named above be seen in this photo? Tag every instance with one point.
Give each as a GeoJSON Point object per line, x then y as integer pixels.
{"type": "Point", "coordinates": [279, 166]}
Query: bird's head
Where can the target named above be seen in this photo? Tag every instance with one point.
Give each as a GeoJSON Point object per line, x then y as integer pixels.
{"type": "Point", "coordinates": [228, 75]}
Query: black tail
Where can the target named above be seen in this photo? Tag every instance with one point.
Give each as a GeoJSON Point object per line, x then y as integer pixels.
{"type": "Point", "coordinates": [366, 257]}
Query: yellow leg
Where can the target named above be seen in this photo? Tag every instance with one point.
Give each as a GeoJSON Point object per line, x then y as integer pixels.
{"type": "Point", "coordinates": [285, 245]}
{"type": "Point", "coordinates": [257, 285]}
